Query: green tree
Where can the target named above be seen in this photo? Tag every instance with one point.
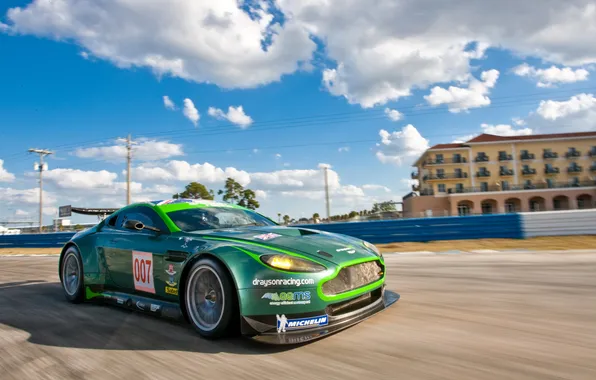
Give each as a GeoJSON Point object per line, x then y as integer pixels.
{"type": "Point", "coordinates": [384, 207]}
{"type": "Point", "coordinates": [195, 190]}
{"type": "Point", "coordinates": [316, 216]}
{"type": "Point", "coordinates": [236, 193]}
{"type": "Point", "coordinates": [287, 219]}
{"type": "Point", "coordinates": [353, 214]}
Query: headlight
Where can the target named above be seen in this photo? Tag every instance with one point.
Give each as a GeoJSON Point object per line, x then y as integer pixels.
{"type": "Point", "coordinates": [373, 248]}
{"type": "Point", "coordinates": [291, 263]}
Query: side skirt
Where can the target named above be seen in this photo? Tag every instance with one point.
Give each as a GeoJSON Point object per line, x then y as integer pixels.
{"type": "Point", "coordinates": [135, 302]}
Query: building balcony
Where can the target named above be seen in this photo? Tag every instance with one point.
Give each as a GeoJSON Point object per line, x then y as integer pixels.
{"type": "Point", "coordinates": [593, 168]}
{"type": "Point", "coordinates": [506, 173]}
{"type": "Point", "coordinates": [415, 175]}
{"type": "Point", "coordinates": [427, 192]}
{"type": "Point", "coordinates": [483, 174]}
{"type": "Point", "coordinates": [526, 157]}
{"type": "Point", "coordinates": [481, 159]}
{"type": "Point", "coordinates": [445, 161]}
{"type": "Point", "coordinates": [592, 153]}
{"type": "Point", "coordinates": [537, 186]}
{"type": "Point", "coordinates": [445, 176]}
{"type": "Point", "coordinates": [551, 171]}
{"type": "Point", "coordinates": [506, 157]}
{"type": "Point", "coordinates": [576, 169]}
{"type": "Point", "coordinates": [550, 155]}
{"type": "Point", "coordinates": [573, 154]}
{"type": "Point", "coordinates": [529, 172]}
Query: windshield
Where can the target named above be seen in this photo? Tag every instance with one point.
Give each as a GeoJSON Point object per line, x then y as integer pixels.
{"type": "Point", "coordinates": [210, 218]}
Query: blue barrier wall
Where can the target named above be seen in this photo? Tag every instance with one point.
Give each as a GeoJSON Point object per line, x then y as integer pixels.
{"type": "Point", "coordinates": [51, 240]}
{"type": "Point", "coordinates": [428, 229]}
{"type": "Point", "coordinates": [377, 232]}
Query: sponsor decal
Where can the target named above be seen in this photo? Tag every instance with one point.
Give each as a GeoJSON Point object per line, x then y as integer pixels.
{"type": "Point", "coordinates": [120, 301]}
{"type": "Point", "coordinates": [142, 270]}
{"type": "Point", "coordinates": [155, 308]}
{"type": "Point", "coordinates": [140, 305]}
{"type": "Point", "coordinates": [350, 250]}
{"type": "Point", "coordinates": [284, 324]}
{"type": "Point", "coordinates": [172, 291]}
{"type": "Point", "coordinates": [287, 298]}
{"type": "Point", "coordinates": [171, 272]}
{"type": "Point", "coordinates": [284, 282]}
{"type": "Point", "coordinates": [267, 236]}
{"type": "Point", "coordinates": [186, 241]}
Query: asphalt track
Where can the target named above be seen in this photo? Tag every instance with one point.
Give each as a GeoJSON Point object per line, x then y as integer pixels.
{"type": "Point", "coordinates": [466, 316]}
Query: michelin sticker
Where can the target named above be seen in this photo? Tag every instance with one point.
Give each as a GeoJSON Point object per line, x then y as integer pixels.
{"type": "Point", "coordinates": [287, 298]}
{"type": "Point", "coordinates": [284, 324]}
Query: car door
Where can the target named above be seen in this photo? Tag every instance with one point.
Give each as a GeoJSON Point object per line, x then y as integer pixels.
{"type": "Point", "coordinates": [134, 258]}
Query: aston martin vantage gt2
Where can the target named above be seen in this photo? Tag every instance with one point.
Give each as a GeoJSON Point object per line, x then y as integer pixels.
{"type": "Point", "coordinates": [225, 268]}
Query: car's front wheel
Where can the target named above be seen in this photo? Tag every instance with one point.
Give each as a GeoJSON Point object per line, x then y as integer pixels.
{"type": "Point", "coordinates": [72, 275]}
{"type": "Point", "coordinates": [209, 298]}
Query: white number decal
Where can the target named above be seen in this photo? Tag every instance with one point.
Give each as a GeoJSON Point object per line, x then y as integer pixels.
{"type": "Point", "coordinates": [142, 270]}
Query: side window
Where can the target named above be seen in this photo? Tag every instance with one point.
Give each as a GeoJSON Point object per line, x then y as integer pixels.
{"type": "Point", "coordinates": [144, 215]}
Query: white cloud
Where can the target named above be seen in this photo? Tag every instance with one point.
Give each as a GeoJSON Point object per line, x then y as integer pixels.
{"type": "Point", "coordinates": [463, 139]}
{"type": "Point", "coordinates": [460, 99]}
{"type": "Point", "coordinates": [385, 50]}
{"type": "Point", "coordinates": [255, 151]}
{"type": "Point", "coordinates": [260, 194]}
{"type": "Point", "coordinates": [79, 179]}
{"type": "Point", "coordinates": [343, 149]}
{"type": "Point", "coordinates": [10, 196]}
{"type": "Point", "coordinates": [551, 76]}
{"type": "Point", "coordinates": [518, 121]}
{"type": "Point", "coordinates": [376, 188]}
{"type": "Point", "coordinates": [143, 150]}
{"type": "Point", "coordinates": [577, 114]}
{"type": "Point", "coordinates": [20, 212]}
{"type": "Point", "coordinates": [191, 112]}
{"type": "Point", "coordinates": [399, 145]}
{"type": "Point", "coordinates": [5, 175]}
{"type": "Point", "coordinates": [235, 115]}
{"type": "Point", "coordinates": [184, 171]}
{"type": "Point", "coordinates": [505, 130]}
{"type": "Point", "coordinates": [168, 103]}
{"type": "Point", "coordinates": [199, 40]}
{"type": "Point", "coordinates": [393, 115]}
{"type": "Point", "coordinates": [278, 156]}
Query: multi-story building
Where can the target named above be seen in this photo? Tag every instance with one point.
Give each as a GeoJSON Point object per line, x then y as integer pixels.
{"type": "Point", "coordinates": [496, 174]}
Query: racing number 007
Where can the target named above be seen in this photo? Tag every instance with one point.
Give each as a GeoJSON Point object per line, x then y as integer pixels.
{"type": "Point", "coordinates": [142, 270]}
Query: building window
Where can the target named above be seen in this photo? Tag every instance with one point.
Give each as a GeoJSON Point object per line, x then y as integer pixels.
{"type": "Point", "coordinates": [459, 187]}
{"type": "Point", "coordinates": [534, 206]}
{"type": "Point", "coordinates": [528, 184]}
{"type": "Point", "coordinates": [550, 183]}
{"type": "Point", "coordinates": [463, 210]}
{"type": "Point", "coordinates": [439, 158]}
{"type": "Point", "coordinates": [441, 173]}
{"type": "Point", "coordinates": [458, 173]}
{"type": "Point", "coordinates": [441, 187]}
{"type": "Point", "coordinates": [456, 158]}
{"type": "Point", "coordinates": [483, 186]}
{"type": "Point", "coordinates": [557, 204]}
{"type": "Point", "coordinates": [487, 208]}
{"type": "Point", "coordinates": [509, 207]}
{"type": "Point", "coordinates": [505, 185]}
{"type": "Point", "coordinates": [574, 182]}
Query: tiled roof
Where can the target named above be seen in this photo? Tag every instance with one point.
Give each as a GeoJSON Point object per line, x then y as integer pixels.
{"type": "Point", "coordinates": [493, 138]}
{"type": "Point", "coordinates": [447, 146]}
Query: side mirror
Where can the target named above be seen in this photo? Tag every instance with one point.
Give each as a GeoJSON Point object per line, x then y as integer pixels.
{"type": "Point", "coordinates": [138, 226]}
{"type": "Point", "coordinates": [134, 225]}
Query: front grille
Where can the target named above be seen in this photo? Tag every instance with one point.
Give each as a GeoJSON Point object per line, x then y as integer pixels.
{"type": "Point", "coordinates": [353, 277]}
{"type": "Point", "coordinates": [345, 307]}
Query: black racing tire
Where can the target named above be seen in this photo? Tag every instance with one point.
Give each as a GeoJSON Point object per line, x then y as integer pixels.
{"type": "Point", "coordinates": [209, 299]}
{"type": "Point", "coordinates": [72, 265]}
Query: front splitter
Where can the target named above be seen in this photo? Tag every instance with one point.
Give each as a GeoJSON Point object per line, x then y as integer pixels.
{"type": "Point", "coordinates": [335, 325]}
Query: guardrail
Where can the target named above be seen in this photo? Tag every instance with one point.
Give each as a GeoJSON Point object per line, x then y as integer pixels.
{"type": "Point", "coordinates": [509, 226]}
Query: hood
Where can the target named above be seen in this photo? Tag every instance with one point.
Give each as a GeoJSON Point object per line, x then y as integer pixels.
{"type": "Point", "coordinates": [319, 245]}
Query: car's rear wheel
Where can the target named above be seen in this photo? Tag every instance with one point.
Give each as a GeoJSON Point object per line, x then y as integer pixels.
{"type": "Point", "coordinates": [72, 275]}
{"type": "Point", "coordinates": [209, 298]}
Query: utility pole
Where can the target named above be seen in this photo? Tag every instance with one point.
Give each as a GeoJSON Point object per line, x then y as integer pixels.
{"type": "Point", "coordinates": [128, 159]}
{"type": "Point", "coordinates": [327, 194]}
{"type": "Point", "coordinates": [40, 167]}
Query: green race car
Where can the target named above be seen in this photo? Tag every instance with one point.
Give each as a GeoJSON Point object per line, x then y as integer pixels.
{"type": "Point", "coordinates": [225, 268]}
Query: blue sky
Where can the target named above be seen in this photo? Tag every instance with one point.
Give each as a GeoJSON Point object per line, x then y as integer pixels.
{"type": "Point", "coordinates": [317, 89]}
